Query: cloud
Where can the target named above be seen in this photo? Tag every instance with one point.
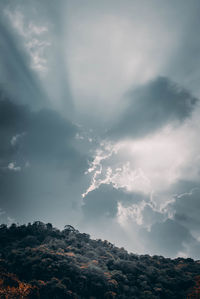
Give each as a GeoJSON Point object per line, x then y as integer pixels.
{"type": "Point", "coordinates": [174, 230]}
{"type": "Point", "coordinates": [183, 65]}
{"type": "Point", "coordinates": [167, 238]}
{"type": "Point", "coordinates": [137, 165]}
{"type": "Point", "coordinates": [111, 49]}
{"type": "Point", "coordinates": [156, 230]}
{"type": "Point", "coordinates": [35, 44]}
{"type": "Point", "coordinates": [40, 162]}
{"type": "Point", "coordinates": [47, 133]}
{"type": "Point", "coordinates": [153, 106]}
{"type": "Point", "coordinates": [103, 201]}
{"type": "Point", "coordinates": [16, 77]}
{"type": "Point", "coordinates": [186, 208]}
{"type": "Point", "coordinates": [12, 166]}
{"type": "Point", "coordinates": [5, 218]}
{"type": "Point", "coordinates": [16, 139]}
{"type": "Point", "coordinates": [155, 223]}
{"type": "Point", "coordinates": [33, 56]}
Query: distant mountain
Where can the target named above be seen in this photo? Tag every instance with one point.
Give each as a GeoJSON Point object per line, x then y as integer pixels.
{"type": "Point", "coordinates": [39, 261]}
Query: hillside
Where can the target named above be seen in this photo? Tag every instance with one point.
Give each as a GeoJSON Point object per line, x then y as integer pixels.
{"type": "Point", "coordinates": [39, 261]}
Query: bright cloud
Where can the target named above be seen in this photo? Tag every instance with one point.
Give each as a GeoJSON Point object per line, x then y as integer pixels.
{"type": "Point", "coordinates": [33, 36]}
{"type": "Point", "coordinates": [12, 166]}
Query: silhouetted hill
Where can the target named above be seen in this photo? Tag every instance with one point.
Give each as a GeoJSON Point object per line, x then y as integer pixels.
{"type": "Point", "coordinates": [39, 261]}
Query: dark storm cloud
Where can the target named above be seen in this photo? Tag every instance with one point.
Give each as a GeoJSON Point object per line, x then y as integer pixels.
{"type": "Point", "coordinates": [170, 238]}
{"type": "Point", "coordinates": [46, 134]}
{"type": "Point", "coordinates": [159, 234]}
{"type": "Point", "coordinates": [167, 238]}
{"type": "Point", "coordinates": [179, 233]}
{"type": "Point", "coordinates": [39, 162]}
{"type": "Point", "coordinates": [152, 106]}
{"type": "Point", "coordinates": [186, 207]}
{"type": "Point", "coordinates": [103, 202]}
{"type": "Point", "coordinates": [151, 216]}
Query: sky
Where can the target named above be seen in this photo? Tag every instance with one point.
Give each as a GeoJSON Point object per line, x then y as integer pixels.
{"type": "Point", "coordinates": [99, 120]}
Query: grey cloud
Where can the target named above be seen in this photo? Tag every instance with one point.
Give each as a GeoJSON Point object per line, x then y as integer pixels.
{"type": "Point", "coordinates": [23, 83]}
{"type": "Point", "coordinates": [17, 79]}
{"type": "Point", "coordinates": [171, 239]}
{"type": "Point", "coordinates": [151, 216]}
{"type": "Point", "coordinates": [183, 186]}
{"type": "Point", "coordinates": [152, 106]}
{"type": "Point", "coordinates": [194, 249]}
{"type": "Point", "coordinates": [157, 234]}
{"type": "Point", "coordinates": [47, 135]}
{"type": "Point", "coordinates": [103, 202]}
{"type": "Point", "coordinates": [167, 238]}
{"type": "Point", "coordinates": [178, 234]}
{"type": "Point", "coordinates": [50, 164]}
{"type": "Point", "coordinates": [183, 65]}
{"type": "Point", "coordinates": [186, 207]}
{"type": "Point", "coordinates": [13, 120]}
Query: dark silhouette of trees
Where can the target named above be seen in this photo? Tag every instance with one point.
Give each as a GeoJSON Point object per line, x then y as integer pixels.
{"type": "Point", "coordinates": [40, 261]}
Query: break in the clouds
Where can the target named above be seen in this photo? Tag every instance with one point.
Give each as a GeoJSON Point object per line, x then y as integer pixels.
{"type": "Point", "coordinates": [99, 119]}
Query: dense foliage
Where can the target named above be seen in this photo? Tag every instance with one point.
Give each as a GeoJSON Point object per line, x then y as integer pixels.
{"type": "Point", "coordinates": [39, 261]}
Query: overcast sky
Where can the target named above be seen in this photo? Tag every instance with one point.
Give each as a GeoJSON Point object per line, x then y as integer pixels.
{"type": "Point", "coordinates": [99, 119]}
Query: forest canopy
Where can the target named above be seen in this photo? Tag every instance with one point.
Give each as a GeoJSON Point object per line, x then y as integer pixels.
{"type": "Point", "coordinates": [40, 261]}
